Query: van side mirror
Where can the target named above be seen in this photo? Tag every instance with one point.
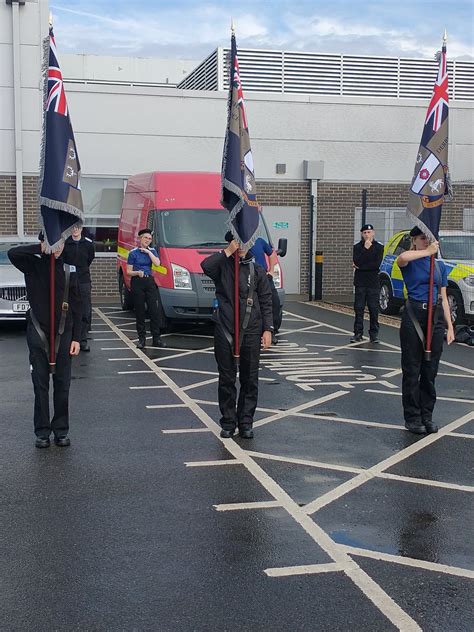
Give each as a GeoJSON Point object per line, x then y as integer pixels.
{"type": "Point", "coordinates": [282, 246]}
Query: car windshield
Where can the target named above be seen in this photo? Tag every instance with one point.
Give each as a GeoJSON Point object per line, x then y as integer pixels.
{"type": "Point", "coordinates": [458, 247]}
{"type": "Point", "coordinates": [4, 248]}
{"type": "Point", "coordinates": [193, 228]}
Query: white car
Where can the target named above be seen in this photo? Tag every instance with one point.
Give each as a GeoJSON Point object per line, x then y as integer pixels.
{"type": "Point", "coordinates": [13, 301]}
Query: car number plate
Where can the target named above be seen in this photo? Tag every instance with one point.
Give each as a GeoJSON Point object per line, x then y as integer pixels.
{"type": "Point", "coordinates": [21, 307]}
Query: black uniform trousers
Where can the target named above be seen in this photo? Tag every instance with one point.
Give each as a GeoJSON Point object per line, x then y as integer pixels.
{"type": "Point", "coordinates": [85, 290]}
{"type": "Point", "coordinates": [40, 375]}
{"type": "Point", "coordinates": [145, 296]}
{"type": "Point", "coordinates": [276, 307]}
{"type": "Point", "coordinates": [241, 416]}
{"type": "Point", "coordinates": [366, 296]}
{"type": "Point", "coordinates": [418, 379]}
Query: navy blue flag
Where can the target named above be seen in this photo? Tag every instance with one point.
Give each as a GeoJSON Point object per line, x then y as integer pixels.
{"type": "Point", "coordinates": [239, 191]}
{"type": "Point", "coordinates": [60, 196]}
{"type": "Point", "coordinates": [430, 184]}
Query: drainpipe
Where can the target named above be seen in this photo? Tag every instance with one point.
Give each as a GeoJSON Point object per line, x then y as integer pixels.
{"type": "Point", "coordinates": [15, 4]}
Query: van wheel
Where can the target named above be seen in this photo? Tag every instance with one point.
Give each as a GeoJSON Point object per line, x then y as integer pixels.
{"type": "Point", "coordinates": [387, 304]}
{"type": "Point", "coordinates": [126, 300]}
{"type": "Point", "coordinates": [456, 306]}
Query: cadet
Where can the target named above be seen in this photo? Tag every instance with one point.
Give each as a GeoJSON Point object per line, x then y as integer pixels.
{"type": "Point", "coordinates": [367, 256]}
{"type": "Point", "coordinates": [144, 290]}
{"type": "Point", "coordinates": [259, 250]}
{"type": "Point", "coordinates": [35, 265]}
{"type": "Point", "coordinates": [255, 328]}
{"type": "Point", "coordinates": [79, 251]}
{"type": "Point", "coordinates": [418, 373]}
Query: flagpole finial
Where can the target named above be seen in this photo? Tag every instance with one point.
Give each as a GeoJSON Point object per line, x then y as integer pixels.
{"type": "Point", "coordinates": [445, 36]}
{"type": "Point", "coordinates": [50, 19]}
{"type": "Point", "coordinates": [232, 25]}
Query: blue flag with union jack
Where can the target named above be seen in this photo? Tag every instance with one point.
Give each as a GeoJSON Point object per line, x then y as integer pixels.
{"type": "Point", "coordinates": [430, 185]}
{"type": "Point", "coordinates": [239, 191]}
{"type": "Point", "coordinates": [60, 196]}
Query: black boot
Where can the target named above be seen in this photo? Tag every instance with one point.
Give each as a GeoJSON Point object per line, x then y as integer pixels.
{"type": "Point", "coordinates": [141, 344]}
{"type": "Point", "coordinates": [157, 342]}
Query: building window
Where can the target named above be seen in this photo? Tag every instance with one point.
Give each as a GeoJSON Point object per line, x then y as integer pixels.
{"type": "Point", "coordinates": [102, 204]}
{"type": "Point", "coordinates": [386, 222]}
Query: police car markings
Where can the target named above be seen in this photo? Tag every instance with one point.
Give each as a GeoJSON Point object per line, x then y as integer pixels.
{"type": "Point", "coordinates": [359, 577]}
{"type": "Point", "coordinates": [445, 399]}
{"type": "Point", "coordinates": [370, 473]}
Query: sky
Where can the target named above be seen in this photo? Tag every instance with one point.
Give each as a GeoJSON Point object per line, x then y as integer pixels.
{"type": "Point", "coordinates": [190, 29]}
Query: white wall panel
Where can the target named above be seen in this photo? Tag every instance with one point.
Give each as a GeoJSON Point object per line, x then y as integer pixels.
{"type": "Point", "coordinates": [6, 109]}
{"type": "Point", "coordinates": [7, 154]}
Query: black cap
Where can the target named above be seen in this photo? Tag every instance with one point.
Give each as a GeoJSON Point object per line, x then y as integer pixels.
{"type": "Point", "coordinates": [229, 236]}
{"type": "Point", "coordinates": [415, 231]}
{"type": "Point", "coordinates": [143, 231]}
{"type": "Point", "coordinates": [366, 227]}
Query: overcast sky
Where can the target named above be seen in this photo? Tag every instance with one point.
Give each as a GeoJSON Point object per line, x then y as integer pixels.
{"type": "Point", "coordinates": [191, 29]}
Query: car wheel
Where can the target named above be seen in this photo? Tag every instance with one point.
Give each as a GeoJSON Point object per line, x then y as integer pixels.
{"type": "Point", "coordinates": [387, 304]}
{"type": "Point", "coordinates": [456, 306]}
{"type": "Point", "coordinates": [126, 300]}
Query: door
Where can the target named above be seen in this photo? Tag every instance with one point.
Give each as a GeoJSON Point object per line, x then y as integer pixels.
{"type": "Point", "coordinates": [285, 221]}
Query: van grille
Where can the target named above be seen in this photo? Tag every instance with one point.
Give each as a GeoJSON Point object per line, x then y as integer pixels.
{"type": "Point", "coordinates": [207, 284]}
{"type": "Point", "coordinates": [13, 293]}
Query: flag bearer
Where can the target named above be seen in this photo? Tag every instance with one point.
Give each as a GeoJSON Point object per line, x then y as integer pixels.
{"type": "Point", "coordinates": [419, 374]}
{"type": "Point", "coordinates": [256, 327]}
{"type": "Point", "coordinates": [35, 265]}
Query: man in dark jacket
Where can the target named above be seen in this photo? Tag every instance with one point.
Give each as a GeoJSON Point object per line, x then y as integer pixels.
{"type": "Point", "coordinates": [256, 327]}
{"type": "Point", "coordinates": [35, 265]}
{"type": "Point", "coordinates": [79, 251]}
{"type": "Point", "coordinates": [367, 257]}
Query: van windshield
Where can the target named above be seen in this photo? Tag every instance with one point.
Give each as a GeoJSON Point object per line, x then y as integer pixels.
{"type": "Point", "coordinates": [192, 228]}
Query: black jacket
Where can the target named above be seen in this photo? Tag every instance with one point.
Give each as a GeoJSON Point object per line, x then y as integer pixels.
{"type": "Point", "coordinates": [367, 261]}
{"type": "Point", "coordinates": [35, 266]}
{"type": "Point", "coordinates": [81, 254]}
{"type": "Point", "coordinates": [220, 269]}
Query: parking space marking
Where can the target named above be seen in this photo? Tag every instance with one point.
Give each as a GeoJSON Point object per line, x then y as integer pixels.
{"type": "Point", "coordinates": [264, 504]}
{"type": "Point", "coordinates": [212, 463]}
{"type": "Point", "coordinates": [105, 339]}
{"type": "Point", "coordinates": [373, 591]}
{"type": "Point", "coordinates": [185, 430]}
{"type": "Point", "coordinates": [445, 399]}
{"type": "Point", "coordinates": [462, 435]}
{"type": "Point", "coordinates": [371, 472]}
{"type": "Point", "coordinates": [323, 466]}
{"type": "Point", "coordinates": [409, 561]}
{"type": "Point", "coordinates": [134, 372]}
{"type": "Point", "coordinates": [212, 380]}
{"type": "Point", "coordinates": [300, 407]}
{"type": "Point", "coordinates": [153, 406]}
{"type": "Point", "coordinates": [123, 359]}
{"type": "Point", "coordinates": [182, 354]}
{"type": "Point", "coordinates": [309, 569]}
{"type": "Point", "coordinates": [139, 388]}
{"type": "Point", "coordinates": [426, 481]}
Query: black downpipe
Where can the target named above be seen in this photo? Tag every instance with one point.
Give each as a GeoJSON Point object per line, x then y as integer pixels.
{"type": "Point", "coordinates": [310, 249]}
{"type": "Point", "coordinates": [364, 207]}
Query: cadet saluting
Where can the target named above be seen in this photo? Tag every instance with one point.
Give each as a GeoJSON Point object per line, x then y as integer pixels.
{"type": "Point", "coordinates": [256, 327]}
{"type": "Point", "coordinates": [36, 268]}
{"type": "Point", "coordinates": [419, 374]}
{"type": "Point", "coordinates": [144, 291]}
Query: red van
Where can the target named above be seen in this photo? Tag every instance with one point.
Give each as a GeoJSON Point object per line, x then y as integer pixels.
{"type": "Point", "coordinates": [188, 222]}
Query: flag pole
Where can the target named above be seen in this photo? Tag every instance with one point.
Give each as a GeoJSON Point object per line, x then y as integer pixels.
{"type": "Point", "coordinates": [429, 325]}
{"type": "Point", "coordinates": [52, 302]}
{"type": "Point", "coordinates": [236, 279]}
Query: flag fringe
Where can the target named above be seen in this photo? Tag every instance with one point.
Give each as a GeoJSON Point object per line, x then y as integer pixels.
{"type": "Point", "coordinates": [44, 75]}
{"type": "Point", "coordinates": [421, 225]}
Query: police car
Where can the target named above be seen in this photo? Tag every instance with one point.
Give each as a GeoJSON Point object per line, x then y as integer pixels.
{"type": "Point", "coordinates": [457, 252]}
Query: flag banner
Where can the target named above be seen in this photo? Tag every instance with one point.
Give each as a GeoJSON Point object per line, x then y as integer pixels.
{"type": "Point", "coordinates": [239, 191]}
{"type": "Point", "coordinates": [430, 185]}
{"type": "Point", "coordinates": [60, 197]}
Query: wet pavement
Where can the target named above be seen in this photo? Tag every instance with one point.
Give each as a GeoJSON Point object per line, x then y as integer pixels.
{"type": "Point", "coordinates": [332, 518]}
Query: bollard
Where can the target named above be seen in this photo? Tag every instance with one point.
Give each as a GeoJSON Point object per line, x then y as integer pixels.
{"type": "Point", "coordinates": [318, 275]}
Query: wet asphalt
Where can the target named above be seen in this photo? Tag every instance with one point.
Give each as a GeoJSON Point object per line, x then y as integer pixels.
{"type": "Point", "coordinates": [139, 527]}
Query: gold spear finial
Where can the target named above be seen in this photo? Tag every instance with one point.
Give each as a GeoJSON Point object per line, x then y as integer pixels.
{"type": "Point", "coordinates": [445, 36]}
{"type": "Point", "coordinates": [232, 25]}
{"type": "Point", "coordinates": [50, 19]}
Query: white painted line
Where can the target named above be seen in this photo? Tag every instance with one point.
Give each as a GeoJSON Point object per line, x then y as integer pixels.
{"type": "Point", "coordinates": [139, 388]}
{"type": "Point", "coordinates": [287, 459]}
{"type": "Point", "coordinates": [182, 354]}
{"type": "Point", "coordinates": [96, 331]}
{"type": "Point", "coordinates": [212, 380]}
{"type": "Point", "coordinates": [123, 359]}
{"type": "Point", "coordinates": [296, 409]}
{"type": "Point", "coordinates": [409, 561]}
{"type": "Point", "coordinates": [115, 348]}
{"type": "Point", "coordinates": [105, 339]}
{"type": "Point", "coordinates": [134, 372]}
{"type": "Point", "coordinates": [425, 481]}
{"type": "Point", "coordinates": [460, 434]}
{"type": "Point", "coordinates": [185, 430]}
{"type": "Point", "coordinates": [445, 399]}
{"type": "Point", "coordinates": [360, 578]}
{"type": "Point", "coordinates": [373, 471]}
{"type": "Point", "coordinates": [177, 370]}
{"type": "Point", "coordinates": [310, 569]}
{"type": "Point", "coordinates": [212, 463]}
{"type": "Point", "coordinates": [166, 406]}
{"type": "Point", "coordinates": [266, 504]}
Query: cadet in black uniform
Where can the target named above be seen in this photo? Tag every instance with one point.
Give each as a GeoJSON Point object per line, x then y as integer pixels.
{"type": "Point", "coordinates": [367, 257]}
{"type": "Point", "coordinates": [256, 326]}
{"type": "Point", "coordinates": [79, 251]}
{"type": "Point", "coordinates": [144, 290]}
{"type": "Point", "coordinates": [36, 268]}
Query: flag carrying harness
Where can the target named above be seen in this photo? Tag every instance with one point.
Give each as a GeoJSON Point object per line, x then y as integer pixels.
{"type": "Point", "coordinates": [248, 309]}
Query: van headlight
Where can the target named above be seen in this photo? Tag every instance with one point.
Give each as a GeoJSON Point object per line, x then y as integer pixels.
{"type": "Point", "coordinates": [277, 276]}
{"type": "Point", "coordinates": [469, 280]}
{"type": "Point", "coordinates": [181, 278]}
